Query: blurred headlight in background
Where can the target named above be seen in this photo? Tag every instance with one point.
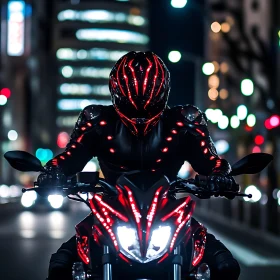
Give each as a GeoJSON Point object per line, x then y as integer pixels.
{"type": "Point", "coordinates": [28, 198]}
{"type": "Point", "coordinates": [55, 200]}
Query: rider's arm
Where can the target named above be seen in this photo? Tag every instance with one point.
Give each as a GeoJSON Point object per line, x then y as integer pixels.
{"type": "Point", "coordinates": [198, 147]}
{"type": "Point", "coordinates": [83, 143]}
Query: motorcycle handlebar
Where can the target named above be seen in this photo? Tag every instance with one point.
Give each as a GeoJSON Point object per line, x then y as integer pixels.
{"type": "Point", "coordinates": [183, 185]}
{"type": "Point", "coordinates": [192, 186]}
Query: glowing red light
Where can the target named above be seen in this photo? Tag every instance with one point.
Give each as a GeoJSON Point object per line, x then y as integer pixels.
{"type": "Point", "coordinates": [259, 140]}
{"type": "Point", "coordinates": [112, 150]}
{"type": "Point", "coordinates": [274, 120]}
{"type": "Point", "coordinates": [109, 137]}
{"type": "Point", "coordinates": [267, 124]}
{"type": "Point", "coordinates": [62, 139]}
{"type": "Point", "coordinates": [164, 150]}
{"type": "Point", "coordinates": [169, 139]}
{"type": "Point", "coordinates": [180, 124]}
{"type": "Point", "coordinates": [159, 160]}
{"type": "Point", "coordinates": [174, 131]}
{"type": "Point", "coordinates": [6, 92]}
{"type": "Point", "coordinates": [248, 128]}
{"type": "Point", "coordinates": [103, 123]}
{"type": "Point", "coordinates": [256, 149]}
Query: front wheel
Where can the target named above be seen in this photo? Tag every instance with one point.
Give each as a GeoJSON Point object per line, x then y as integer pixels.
{"type": "Point", "coordinates": [202, 273]}
{"type": "Point", "coordinates": [78, 271]}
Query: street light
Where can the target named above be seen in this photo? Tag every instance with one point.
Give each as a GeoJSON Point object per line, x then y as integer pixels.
{"type": "Point", "coordinates": [178, 3]}
{"type": "Point", "coordinates": [174, 56]}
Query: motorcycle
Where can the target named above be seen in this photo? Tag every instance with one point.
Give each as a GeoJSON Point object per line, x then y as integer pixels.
{"type": "Point", "coordinates": [138, 229]}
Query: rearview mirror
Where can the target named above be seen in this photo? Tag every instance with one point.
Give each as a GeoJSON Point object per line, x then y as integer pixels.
{"type": "Point", "coordinates": [23, 161]}
{"type": "Point", "coordinates": [251, 164]}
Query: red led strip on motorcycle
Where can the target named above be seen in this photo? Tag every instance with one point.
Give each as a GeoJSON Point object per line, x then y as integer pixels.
{"type": "Point", "coordinates": [135, 211]}
{"type": "Point", "coordinates": [119, 215]}
{"type": "Point", "coordinates": [82, 254]}
{"type": "Point", "coordinates": [176, 210]}
{"type": "Point", "coordinates": [104, 224]}
{"type": "Point", "coordinates": [199, 248]}
{"type": "Point", "coordinates": [178, 230]}
{"type": "Point", "coordinates": [151, 213]}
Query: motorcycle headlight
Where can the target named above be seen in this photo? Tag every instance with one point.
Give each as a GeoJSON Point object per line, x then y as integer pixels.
{"type": "Point", "coordinates": [129, 242]}
{"type": "Point", "coordinates": [159, 241]}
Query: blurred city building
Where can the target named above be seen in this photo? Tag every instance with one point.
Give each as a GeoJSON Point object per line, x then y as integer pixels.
{"type": "Point", "coordinates": [242, 50]}
{"type": "Point", "coordinates": [56, 57]}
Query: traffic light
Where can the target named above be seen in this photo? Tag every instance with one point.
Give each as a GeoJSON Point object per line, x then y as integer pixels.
{"type": "Point", "coordinates": [62, 139]}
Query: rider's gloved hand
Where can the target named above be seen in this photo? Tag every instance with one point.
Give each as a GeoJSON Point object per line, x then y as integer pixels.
{"type": "Point", "coordinates": [219, 183]}
{"type": "Point", "coordinates": [52, 177]}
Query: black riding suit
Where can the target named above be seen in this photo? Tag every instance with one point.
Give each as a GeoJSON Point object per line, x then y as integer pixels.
{"type": "Point", "coordinates": [180, 135]}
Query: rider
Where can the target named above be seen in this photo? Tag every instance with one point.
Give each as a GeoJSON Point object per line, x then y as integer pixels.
{"type": "Point", "coordinates": [140, 132]}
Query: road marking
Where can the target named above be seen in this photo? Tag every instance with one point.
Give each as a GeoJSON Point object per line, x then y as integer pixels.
{"type": "Point", "coordinates": [244, 255]}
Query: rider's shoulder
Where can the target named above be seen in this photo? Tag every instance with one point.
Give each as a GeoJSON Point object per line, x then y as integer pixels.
{"type": "Point", "coordinates": [94, 113]}
{"type": "Point", "coordinates": [189, 114]}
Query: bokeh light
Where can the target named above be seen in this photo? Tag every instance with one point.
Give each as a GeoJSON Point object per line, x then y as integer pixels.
{"type": "Point", "coordinates": [247, 87]}
{"type": "Point", "coordinates": [225, 27]}
{"type": "Point", "coordinates": [3, 100]}
{"type": "Point", "coordinates": [213, 81]}
{"type": "Point", "coordinates": [242, 112]}
{"type": "Point", "coordinates": [223, 93]}
{"type": "Point", "coordinates": [234, 122]}
{"type": "Point", "coordinates": [12, 135]}
{"type": "Point", "coordinates": [251, 120]}
{"type": "Point", "coordinates": [178, 3]}
{"type": "Point", "coordinates": [208, 68]}
{"type": "Point", "coordinates": [224, 67]}
{"type": "Point", "coordinates": [216, 27]}
{"type": "Point", "coordinates": [213, 94]}
{"type": "Point", "coordinates": [174, 56]}
{"type": "Point", "coordinates": [223, 122]}
{"type": "Point", "coordinates": [255, 192]}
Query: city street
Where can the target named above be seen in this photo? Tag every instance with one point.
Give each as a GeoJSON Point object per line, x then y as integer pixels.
{"type": "Point", "coordinates": [27, 239]}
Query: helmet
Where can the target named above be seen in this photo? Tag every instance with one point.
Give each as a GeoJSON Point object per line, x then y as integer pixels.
{"type": "Point", "coordinates": [139, 85]}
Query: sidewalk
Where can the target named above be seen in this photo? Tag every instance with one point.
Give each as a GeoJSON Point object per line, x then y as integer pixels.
{"type": "Point", "coordinates": [251, 247]}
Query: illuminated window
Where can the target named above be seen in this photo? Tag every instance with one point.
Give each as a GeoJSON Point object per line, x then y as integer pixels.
{"type": "Point", "coordinates": [102, 16]}
{"type": "Point", "coordinates": [84, 89]}
{"type": "Point", "coordinates": [91, 72]}
{"type": "Point", "coordinates": [66, 121]}
{"type": "Point", "coordinates": [91, 54]}
{"type": "Point", "coordinates": [112, 35]}
{"type": "Point", "coordinates": [79, 104]}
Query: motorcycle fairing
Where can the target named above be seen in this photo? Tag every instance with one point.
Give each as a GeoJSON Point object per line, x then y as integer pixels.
{"type": "Point", "coordinates": [146, 208]}
{"type": "Point", "coordinates": [83, 235]}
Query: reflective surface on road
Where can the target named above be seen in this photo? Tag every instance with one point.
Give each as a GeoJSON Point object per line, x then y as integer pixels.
{"type": "Point", "coordinates": [27, 240]}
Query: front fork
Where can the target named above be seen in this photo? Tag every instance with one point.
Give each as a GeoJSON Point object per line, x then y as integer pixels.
{"type": "Point", "coordinates": [107, 266]}
{"type": "Point", "coordinates": [177, 263]}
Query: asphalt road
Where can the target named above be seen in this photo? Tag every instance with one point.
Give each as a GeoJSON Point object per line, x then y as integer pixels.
{"type": "Point", "coordinates": [27, 239]}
